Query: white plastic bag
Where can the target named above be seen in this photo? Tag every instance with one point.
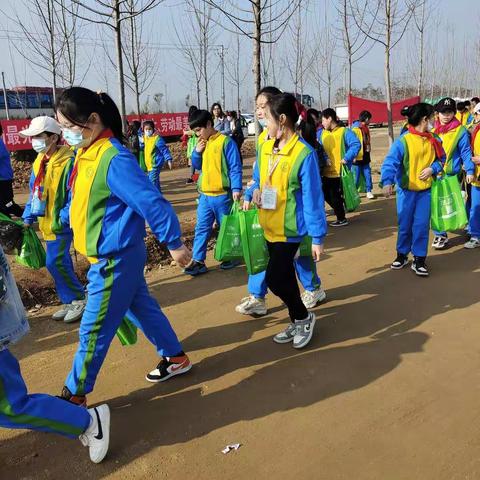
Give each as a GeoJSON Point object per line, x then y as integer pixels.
{"type": "Point", "coordinates": [13, 319]}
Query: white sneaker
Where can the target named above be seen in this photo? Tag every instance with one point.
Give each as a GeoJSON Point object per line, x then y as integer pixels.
{"type": "Point", "coordinates": [474, 242]}
{"type": "Point", "coordinates": [304, 331]}
{"type": "Point", "coordinates": [60, 314]}
{"type": "Point", "coordinates": [439, 242]}
{"type": "Point", "coordinates": [75, 311]}
{"type": "Point", "coordinates": [252, 306]}
{"type": "Point", "coordinates": [97, 435]}
{"type": "Point", "coordinates": [370, 195]}
{"type": "Point", "coordinates": [311, 298]}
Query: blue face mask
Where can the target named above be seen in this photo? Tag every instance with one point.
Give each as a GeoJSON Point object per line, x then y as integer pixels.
{"type": "Point", "coordinates": [262, 122]}
{"type": "Point", "coordinates": [39, 144]}
{"type": "Point", "coordinates": [73, 138]}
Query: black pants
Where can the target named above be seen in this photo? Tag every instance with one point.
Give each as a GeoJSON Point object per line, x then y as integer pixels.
{"type": "Point", "coordinates": [281, 278]}
{"type": "Point", "coordinates": [332, 191]}
{"type": "Point", "coordinates": [7, 205]}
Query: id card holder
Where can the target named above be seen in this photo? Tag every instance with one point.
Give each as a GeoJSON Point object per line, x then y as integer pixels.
{"type": "Point", "coordinates": [269, 198]}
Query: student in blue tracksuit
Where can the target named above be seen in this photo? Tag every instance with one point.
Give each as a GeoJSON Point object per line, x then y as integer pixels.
{"type": "Point", "coordinates": [456, 143]}
{"type": "Point", "coordinates": [49, 187]}
{"type": "Point", "coordinates": [45, 413]}
{"type": "Point", "coordinates": [410, 164]}
{"type": "Point", "coordinates": [217, 156]}
{"type": "Point", "coordinates": [156, 153]}
{"type": "Point", "coordinates": [361, 165]}
{"type": "Point", "coordinates": [111, 200]}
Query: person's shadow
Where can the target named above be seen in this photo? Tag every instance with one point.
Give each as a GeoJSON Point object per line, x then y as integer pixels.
{"type": "Point", "coordinates": [143, 421]}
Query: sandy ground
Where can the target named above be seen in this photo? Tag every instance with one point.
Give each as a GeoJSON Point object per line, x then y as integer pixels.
{"type": "Point", "coordinates": [388, 389]}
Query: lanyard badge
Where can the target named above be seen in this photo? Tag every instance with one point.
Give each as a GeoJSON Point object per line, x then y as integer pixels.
{"type": "Point", "coordinates": [269, 193]}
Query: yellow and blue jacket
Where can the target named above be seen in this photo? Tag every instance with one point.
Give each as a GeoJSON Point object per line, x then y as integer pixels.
{"type": "Point", "coordinates": [476, 153]}
{"type": "Point", "coordinates": [220, 165]}
{"type": "Point", "coordinates": [408, 156]}
{"type": "Point", "coordinates": [156, 152]}
{"type": "Point", "coordinates": [112, 198]}
{"type": "Point", "coordinates": [300, 204]}
{"type": "Point", "coordinates": [456, 144]}
{"type": "Point", "coordinates": [465, 118]}
{"type": "Point", "coordinates": [6, 170]}
{"type": "Point", "coordinates": [54, 191]}
{"type": "Point", "coordinates": [339, 144]}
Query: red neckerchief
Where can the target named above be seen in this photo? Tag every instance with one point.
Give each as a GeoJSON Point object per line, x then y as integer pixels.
{"type": "Point", "coordinates": [365, 133]}
{"type": "Point", "coordinates": [40, 176]}
{"type": "Point", "coordinates": [451, 125]}
{"type": "Point", "coordinates": [474, 136]}
{"type": "Point", "coordinates": [437, 146]}
{"type": "Point", "coordinates": [107, 133]}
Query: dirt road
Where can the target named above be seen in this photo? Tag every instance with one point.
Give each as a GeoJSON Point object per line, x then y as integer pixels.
{"type": "Point", "coordinates": [388, 389]}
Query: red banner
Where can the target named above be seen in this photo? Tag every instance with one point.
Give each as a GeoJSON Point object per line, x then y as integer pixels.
{"type": "Point", "coordinates": [10, 136]}
{"type": "Point", "coordinates": [168, 125]}
{"type": "Point", "coordinates": [377, 109]}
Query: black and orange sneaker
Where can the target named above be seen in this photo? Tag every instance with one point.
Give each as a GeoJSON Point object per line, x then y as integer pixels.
{"type": "Point", "coordinates": [169, 367]}
{"type": "Point", "coordinates": [80, 400]}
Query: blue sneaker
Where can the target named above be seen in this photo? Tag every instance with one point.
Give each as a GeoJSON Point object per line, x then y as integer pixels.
{"type": "Point", "coordinates": [196, 268]}
{"type": "Point", "coordinates": [229, 265]}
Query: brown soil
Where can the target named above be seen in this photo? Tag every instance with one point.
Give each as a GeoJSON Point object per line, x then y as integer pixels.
{"type": "Point", "coordinates": [387, 389]}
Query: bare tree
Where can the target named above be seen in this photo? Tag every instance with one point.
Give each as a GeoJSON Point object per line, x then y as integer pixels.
{"type": "Point", "coordinates": [263, 21]}
{"type": "Point", "coordinates": [45, 45]}
{"type": "Point", "coordinates": [235, 75]}
{"type": "Point", "coordinates": [322, 65]}
{"type": "Point", "coordinates": [141, 60]}
{"type": "Point", "coordinates": [392, 18]}
{"type": "Point", "coordinates": [111, 13]}
{"type": "Point", "coordinates": [355, 42]}
{"type": "Point", "coordinates": [421, 21]}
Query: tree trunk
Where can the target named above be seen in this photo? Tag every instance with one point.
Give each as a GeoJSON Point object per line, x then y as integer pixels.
{"type": "Point", "coordinates": [198, 93]}
{"type": "Point", "coordinates": [52, 52]}
{"type": "Point", "coordinates": [388, 90]}
{"type": "Point", "coordinates": [120, 79]}
{"type": "Point", "coordinates": [257, 51]}
{"type": "Point", "coordinates": [420, 73]}
{"type": "Point", "coordinates": [205, 55]}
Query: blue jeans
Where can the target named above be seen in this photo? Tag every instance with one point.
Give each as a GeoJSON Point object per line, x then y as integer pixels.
{"type": "Point", "coordinates": [367, 173]}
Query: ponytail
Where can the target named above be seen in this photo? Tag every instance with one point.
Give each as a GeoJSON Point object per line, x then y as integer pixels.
{"type": "Point", "coordinates": [77, 104]}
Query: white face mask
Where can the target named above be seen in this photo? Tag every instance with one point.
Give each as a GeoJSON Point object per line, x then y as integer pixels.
{"type": "Point", "coordinates": [148, 133]}
{"type": "Point", "coordinates": [430, 126]}
{"type": "Point", "coordinates": [39, 145]}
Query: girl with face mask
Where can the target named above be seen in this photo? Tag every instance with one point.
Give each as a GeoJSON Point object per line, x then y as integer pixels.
{"type": "Point", "coordinates": [288, 190]}
{"type": "Point", "coordinates": [410, 164]}
{"type": "Point", "coordinates": [111, 200]}
{"type": "Point", "coordinates": [49, 203]}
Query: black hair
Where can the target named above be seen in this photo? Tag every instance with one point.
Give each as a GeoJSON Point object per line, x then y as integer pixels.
{"type": "Point", "coordinates": [77, 104]}
{"type": "Point", "coordinates": [467, 103]}
{"type": "Point", "coordinates": [475, 100]}
{"type": "Point", "coordinates": [192, 109]}
{"type": "Point", "coordinates": [286, 104]}
{"type": "Point", "coordinates": [404, 111]}
{"type": "Point", "coordinates": [330, 113]}
{"type": "Point", "coordinates": [1, 129]}
{"type": "Point", "coordinates": [216, 104]}
{"type": "Point", "coordinates": [233, 114]}
{"type": "Point", "coordinates": [268, 92]}
{"type": "Point", "coordinates": [150, 123]}
{"type": "Point", "coordinates": [136, 124]}
{"type": "Point", "coordinates": [313, 114]}
{"type": "Point", "coordinates": [460, 106]}
{"type": "Point", "coordinates": [364, 116]}
{"type": "Point", "coordinates": [200, 119]}
{"type": "Point", "coordinates": [418, 111]}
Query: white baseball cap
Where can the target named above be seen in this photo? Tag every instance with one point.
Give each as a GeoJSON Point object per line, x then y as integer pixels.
{"type": "Point", "coordinates": [40, 125]}
{"type": "Point", "coordinates": [476, 108]}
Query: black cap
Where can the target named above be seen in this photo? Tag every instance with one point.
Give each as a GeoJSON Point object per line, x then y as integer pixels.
{"type": "Point", "coordinates": [446, 105]}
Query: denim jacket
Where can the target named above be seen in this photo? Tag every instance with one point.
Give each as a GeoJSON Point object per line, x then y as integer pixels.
{"type": "Point", "coordinates": [13, 319]}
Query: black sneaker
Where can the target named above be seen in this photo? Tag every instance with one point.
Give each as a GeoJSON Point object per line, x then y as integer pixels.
{"type": "Point", "coordinates": [420, 267]}
{"type": "Point", "coordinates": [189, 180]}
{"type": "Point", "coordinates": [196, 268]}
{"type": "Point", "coordinates": [169, 367]}
{"type": "Point", "coordinates": [339, 223]}
{"type": "Point", "coordinates": [399, 262]}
